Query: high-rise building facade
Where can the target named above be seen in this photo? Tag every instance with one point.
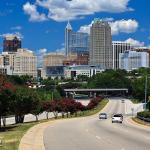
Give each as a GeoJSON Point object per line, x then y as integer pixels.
{"type": "Point", "coordinates": [101, 44]}
{"type": "Point", "coordinates": [143, 49]}
{"type": "Point", "coordinates": [11, 43]}
{"type": "Point", "coordinates": [130, 60]}
{"type": "Point", "coordinates": [76, 42]}
{"type": "Point", "coordinates": [119, 47]}
{"type": "Point", "coordinates": [22, 62]}
{"type": "Point", "coordinates": [25, 63]}
{"type": "Point", "coordinates": [53, 64]}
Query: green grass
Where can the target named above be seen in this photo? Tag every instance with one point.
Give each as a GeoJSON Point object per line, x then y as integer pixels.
{"type": "Point", "coordinates": [12, 134]}
{"type": "Point", "coordinates": [135, 101]}
{"type": "Point", "coordinates": [100, 106]}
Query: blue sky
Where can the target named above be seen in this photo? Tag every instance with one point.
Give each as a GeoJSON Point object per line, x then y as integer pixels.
{"type": "Point", "coordinates": [41, 23]}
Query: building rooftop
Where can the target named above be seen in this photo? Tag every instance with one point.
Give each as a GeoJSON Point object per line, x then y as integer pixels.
{"type": "Point", "coordinates": [69, 27]}
{"type": "Point", "coordinates": [11, 37]}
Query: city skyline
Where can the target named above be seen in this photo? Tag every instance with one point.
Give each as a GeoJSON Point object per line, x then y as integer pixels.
{"type": "Point", "coordinates": [34, 23]}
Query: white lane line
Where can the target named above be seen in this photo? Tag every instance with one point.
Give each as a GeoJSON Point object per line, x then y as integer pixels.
{"type": "Point", "coordinates": [98, 137]}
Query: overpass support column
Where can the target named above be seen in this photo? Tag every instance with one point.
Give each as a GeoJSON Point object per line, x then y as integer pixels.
{"type": "Point", "coordinates": [66, 95]}
{"type": "Point", "coordinates": [95, 95]}
{"type": "Point", "coordinates": [91, 94]}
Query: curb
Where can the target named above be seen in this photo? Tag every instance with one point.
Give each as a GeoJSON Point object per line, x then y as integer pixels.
{"type": "Point", "coordinates": [33, 138]}
{"type": "Point", "coordinates": [131, 121]}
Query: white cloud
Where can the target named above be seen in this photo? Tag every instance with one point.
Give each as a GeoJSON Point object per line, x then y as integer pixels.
{"type": "Point", "coordinates": [124, 26]}
{"type": "Point", "coordinates": [42, 51]}
{"type": "Point", "coordinates": [34, 14]}
{"type": "Point", "coordinates": [18, 34]}
{"type": "Point", "coordinates": [40, 55]}
{"type": "Point", "coordinates": [61, 50]}
{"type": "Point", "coordinates": [119, 26]}
{"type": "Point", "coordinates": [134, 42]}
{"type": "Point", "coordinates": [62, 10]}
{"type": "Point", "coordinates": [16, 28]}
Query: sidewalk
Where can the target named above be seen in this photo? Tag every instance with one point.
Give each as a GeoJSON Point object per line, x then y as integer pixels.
{"type": "Point", "coordinates": [33, 139]}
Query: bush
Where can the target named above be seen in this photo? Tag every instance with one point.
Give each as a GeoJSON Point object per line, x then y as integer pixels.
{"type": "Point", "coordinates": [145, 114]}
{"type": "Point", "coordinates": [93, 103]}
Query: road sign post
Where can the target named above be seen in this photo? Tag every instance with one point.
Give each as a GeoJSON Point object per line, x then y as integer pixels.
{"type": "Point", "coordinates": [132, 109]}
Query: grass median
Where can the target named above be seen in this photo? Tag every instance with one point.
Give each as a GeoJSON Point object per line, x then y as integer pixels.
{"type": "Point", "coordinates": [12, 134]}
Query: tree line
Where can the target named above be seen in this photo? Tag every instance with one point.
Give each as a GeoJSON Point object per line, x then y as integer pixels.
{"type": "Point", "coordinates": [19, 101]}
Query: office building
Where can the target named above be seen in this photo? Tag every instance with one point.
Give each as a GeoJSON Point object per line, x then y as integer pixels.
{"type": "Point", "coordinates": [22, 62]}
{"type": "Point", "coordinates": [143, 49]}
{"type": "Point", "coordinates": [76, 42]}
{"type": "Point", "coordinates": [53, 63]}
{"type": "Point", "coordinates": [11, 43]}
{"type": "Point", "coordinates": [101, 44]}
{"type": "Point", "coordinates": [6, 70]}
{"type": "Point", "coordinates": [82, 59]}
{"type": "Point", "coordinates": [72, 72]}
{"type": "Point", "coordinates": [119, 47]}
{"type": "Point", "coordinates": [25, 63]}
{"type": "Point", "coordinates": [130, 60]}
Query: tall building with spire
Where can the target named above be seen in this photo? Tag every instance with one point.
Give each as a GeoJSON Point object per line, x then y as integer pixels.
{"type": "Point", "coordinates": [101, 44]}
{"type": "Point", "coordinates": [68, 33]}
{"type": "Point", "coordinates": [76, 42]}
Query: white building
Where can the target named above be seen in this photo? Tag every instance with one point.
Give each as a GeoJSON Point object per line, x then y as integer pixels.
{"type": "Point", "coordinates": [22, 62]}
{"type": "Point", "coordinates": [130, 60]}
{"type": "Point", "coordinates": [25, 63]}
{"type": "Point", "coordinates": [119, 47]}
{"type": "Point", "coordinates": [75, 71]}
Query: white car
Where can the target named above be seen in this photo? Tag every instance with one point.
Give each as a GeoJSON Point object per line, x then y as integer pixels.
{"type": "Point", "coordinates": [117, 118]}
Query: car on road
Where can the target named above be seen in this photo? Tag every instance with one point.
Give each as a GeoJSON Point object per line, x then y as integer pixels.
{"type": "Point", "coordinates": [117, 118]}
{"type": "Point", "coordinates": [102, 116]}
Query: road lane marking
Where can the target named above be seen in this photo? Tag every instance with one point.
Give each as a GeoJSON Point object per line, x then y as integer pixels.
{"type": "Point", "coordinates": [98, 137]}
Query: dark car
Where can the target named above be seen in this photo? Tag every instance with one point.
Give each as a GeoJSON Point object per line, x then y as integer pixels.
{"type": "Point", "coordinates": [102, 116]}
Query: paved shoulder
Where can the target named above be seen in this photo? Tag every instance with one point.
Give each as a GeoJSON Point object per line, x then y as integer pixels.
{"type": "Point", "coordinates": [33, 139]}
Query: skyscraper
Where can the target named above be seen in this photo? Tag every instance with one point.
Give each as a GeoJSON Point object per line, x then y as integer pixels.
{"type": "Point", "coordinates": [11, 43]}
{"type": "Point", "coordinates": [119, 47]}
{"type": "Point", "coordinates": [101, 44]}
{"type": "Point", "coordinates": [76, 42]}
{"type": "Point", "coordinates": [68, 33]}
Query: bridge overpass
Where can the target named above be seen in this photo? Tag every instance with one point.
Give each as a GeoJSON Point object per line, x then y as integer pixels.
{"type": "Point", "coordinates": [106, 90]}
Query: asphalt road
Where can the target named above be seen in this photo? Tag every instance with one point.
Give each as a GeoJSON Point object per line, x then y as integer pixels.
{"type": "Point", "coordinates": [90, 133]}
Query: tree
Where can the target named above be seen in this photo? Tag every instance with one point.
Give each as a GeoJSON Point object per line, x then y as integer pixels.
{"type": "Point", "coordinates": [6, 95]}
{"type": "Point", "coordinates": [36, 104]}
{"type": "Point", "coordinates": [109, 79]}
{"type": "Point", "coordinates": [82, 78]}
{"type": "Point", "coordinates": [22, 104]}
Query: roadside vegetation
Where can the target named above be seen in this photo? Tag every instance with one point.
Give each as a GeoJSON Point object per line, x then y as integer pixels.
{"type": "Point", "coordinates": [17, 99]}
{"type": "Point", "coordinates": [12, 134]}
